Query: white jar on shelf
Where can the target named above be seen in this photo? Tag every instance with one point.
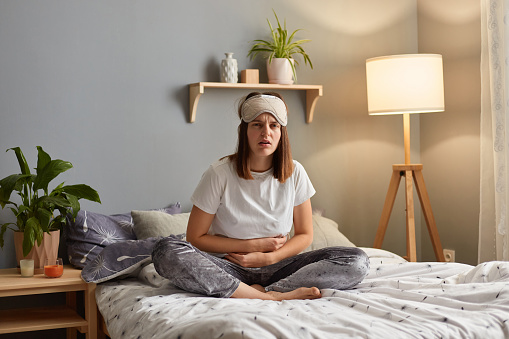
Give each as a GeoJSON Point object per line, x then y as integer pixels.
{"type": "Point", "coordinates": [229, 69]}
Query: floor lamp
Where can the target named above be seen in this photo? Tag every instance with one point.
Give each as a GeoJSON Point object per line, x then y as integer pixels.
{"type": "Point", "coordinates": [406, 84]}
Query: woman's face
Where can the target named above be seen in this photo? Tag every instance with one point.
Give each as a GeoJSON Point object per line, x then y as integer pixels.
{"type": "Point", "coordinates": [263, 135]}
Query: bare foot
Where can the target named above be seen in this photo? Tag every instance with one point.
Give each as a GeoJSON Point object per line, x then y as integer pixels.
{"type": "Point", "coordinates": [258, 292]}
{"type": "Point", "coordinates": [300, 293]}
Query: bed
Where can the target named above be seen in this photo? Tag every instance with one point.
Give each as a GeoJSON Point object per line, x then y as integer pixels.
{"type": "Point", "coordinates": [398, 299]}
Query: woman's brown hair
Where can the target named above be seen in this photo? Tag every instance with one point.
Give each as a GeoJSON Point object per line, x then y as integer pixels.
{"type": "Point", "coordinates": [282, 161]}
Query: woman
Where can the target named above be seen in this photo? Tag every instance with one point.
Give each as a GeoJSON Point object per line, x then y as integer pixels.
{"type": "Point", "coordinates": [243, 208]}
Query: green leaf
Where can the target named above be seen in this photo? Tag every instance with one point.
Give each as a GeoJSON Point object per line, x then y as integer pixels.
{"type": "Point", "coordinates": [23, 165]}
{"type": "Point", "coordinates": [29, 236]}
{"type": "Point", "coordinates": [58, 222]}
{"type": "Point", "coordinates": [50, 172]}
{"type": "Point", "coordinates": [20, 219]}
{"type": "Point", "coordinates": [75, 205]}
{"type": "Point", "coordinates": [23, 209]}
{"type": "Point", "coordinates": [39, 234]}
{"type": "Point", "coordinates": [43, 159]}
{"type": "Point", "coordinates": [82, 191]}
{"type": "Point", "coordinates": [49, 201]}
{"type": "Point", "coordinates": [45, 217]}
{"type": "Point", "coordinates": [10, 183]}
{"type": "Point", "coordinates": [58, 188]}
{"type": "Point", "coordinates": [2, 231]}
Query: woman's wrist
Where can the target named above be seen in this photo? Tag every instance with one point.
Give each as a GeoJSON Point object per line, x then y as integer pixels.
{"type": "Point", "coordinates": [255, 245]}
{"type": "Point", "coordinates": [273, 257]}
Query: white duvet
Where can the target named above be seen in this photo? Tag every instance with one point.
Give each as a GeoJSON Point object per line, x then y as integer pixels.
{"type": "Point", "coordinates": [396, 300]}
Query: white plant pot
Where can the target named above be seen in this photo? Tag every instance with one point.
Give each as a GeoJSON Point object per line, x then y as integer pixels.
{"type": "Point", "coordinates": [279, 71]}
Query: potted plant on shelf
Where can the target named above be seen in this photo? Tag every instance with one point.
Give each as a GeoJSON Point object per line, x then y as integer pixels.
{"type": "Point", "coordinates": [280, 61]}
{"type": "Point", "coordinates": [36, 225]}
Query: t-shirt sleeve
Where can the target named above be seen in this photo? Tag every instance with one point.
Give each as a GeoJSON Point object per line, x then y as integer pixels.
{"type": "Point", "coordinates": [208, 193]}
{"type": "Point", "coordinates": [303, 187]}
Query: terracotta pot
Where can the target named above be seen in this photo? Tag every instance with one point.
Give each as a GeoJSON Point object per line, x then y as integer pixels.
{"type": "Point", "coordinates": [279, 71]}
{"type": "Point", "coordinates": [48, 249]}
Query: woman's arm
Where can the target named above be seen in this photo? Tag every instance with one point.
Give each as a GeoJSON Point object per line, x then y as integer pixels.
{"type": "Point", "coordinates": [303, 226]}
{"type": "Point", "coordinates": [199, 224]}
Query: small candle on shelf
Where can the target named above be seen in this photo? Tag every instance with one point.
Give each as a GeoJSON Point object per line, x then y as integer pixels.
{"type": "Point", "coordinates": [27, 267]}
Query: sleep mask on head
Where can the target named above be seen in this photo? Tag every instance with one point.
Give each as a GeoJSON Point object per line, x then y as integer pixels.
{"type": "Point", "coordinates": [254, 106]}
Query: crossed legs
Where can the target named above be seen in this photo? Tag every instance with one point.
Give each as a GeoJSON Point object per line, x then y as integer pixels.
{"type": "Point", "coordinates": [298, 277]}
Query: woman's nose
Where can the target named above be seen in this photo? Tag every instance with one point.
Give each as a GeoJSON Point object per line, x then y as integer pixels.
{"type": "Point", "coordinates": [265, 129]}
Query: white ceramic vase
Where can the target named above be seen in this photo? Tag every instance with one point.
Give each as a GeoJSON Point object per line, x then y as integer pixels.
{"type": "Point", "coordinates": [279, 71]}
{"type": "Point", "coordinates": [229, 69]}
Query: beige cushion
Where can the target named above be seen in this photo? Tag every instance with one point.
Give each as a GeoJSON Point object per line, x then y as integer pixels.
{"type": "Point", "coordinates": [149, 224]}
{"type": "Point", "coordinates": [326, 234]}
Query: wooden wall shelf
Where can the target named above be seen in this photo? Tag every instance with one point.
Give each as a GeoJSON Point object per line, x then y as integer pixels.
{"type": "Point", "coordinates": [313, 92]}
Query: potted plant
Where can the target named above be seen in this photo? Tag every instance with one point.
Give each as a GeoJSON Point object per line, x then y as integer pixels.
{"type": "Point", "coordinates": [281, 50]}
{"type": "Point", "coordinates": [35, 214]}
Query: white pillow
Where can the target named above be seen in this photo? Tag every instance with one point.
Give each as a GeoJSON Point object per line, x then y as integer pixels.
{"type": "Point", "coordinates": [149, 224]}
{"type": "Point", "coordinates": [326, 234]}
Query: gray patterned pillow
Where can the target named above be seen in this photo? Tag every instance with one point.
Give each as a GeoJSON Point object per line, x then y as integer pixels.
{"type": "Point", "coordinates": [119, 260]}
{"type": "Point", "coordinates": [90, 232]}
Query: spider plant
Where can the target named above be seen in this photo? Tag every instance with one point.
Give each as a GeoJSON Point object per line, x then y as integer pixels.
{"type": "Point", "coordinates": [282, 45]}
{"type": "Point", "coordinates": [35, 213]}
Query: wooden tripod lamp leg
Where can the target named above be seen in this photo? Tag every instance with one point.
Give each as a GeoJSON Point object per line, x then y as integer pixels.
{"type": "Point", "coordinates": [411, 249]}
{"type": "Point", "coordinates": [412, 173]}
{"type": "Point", "coordinates": [388, 205]}
{"type": "Point", "coordinates": [428, 215]}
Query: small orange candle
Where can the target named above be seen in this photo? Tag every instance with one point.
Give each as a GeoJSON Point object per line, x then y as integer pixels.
{"type": "Point", "coordinates": [53, 271]}
{"type": "Point", "coordinates": [53, 268]}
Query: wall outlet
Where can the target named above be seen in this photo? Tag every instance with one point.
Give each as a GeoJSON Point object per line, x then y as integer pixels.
{"type": "Point", "coordinates": [450, 255]}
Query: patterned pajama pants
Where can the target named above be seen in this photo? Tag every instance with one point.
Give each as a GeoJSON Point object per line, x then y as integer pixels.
{"type": "Point", "coordinates": [199, 272]}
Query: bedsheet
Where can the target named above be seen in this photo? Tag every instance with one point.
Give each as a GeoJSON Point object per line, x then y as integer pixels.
{"type": "Point", "coordinates": [397, 299]}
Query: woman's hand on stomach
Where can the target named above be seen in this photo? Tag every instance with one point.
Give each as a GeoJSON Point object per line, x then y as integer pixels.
{"type": "Point", "coordinates": [266, 244]}
{"type": "Point", "coordinates": [252, 259]}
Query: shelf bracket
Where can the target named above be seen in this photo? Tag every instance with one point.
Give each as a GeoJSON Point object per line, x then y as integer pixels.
{"type": "Point", "coordinates": [195, 92]}
{"type": "Point", "coordinates": [312, 96]}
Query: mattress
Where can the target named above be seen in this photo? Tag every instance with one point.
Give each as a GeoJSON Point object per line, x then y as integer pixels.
{"type": "Point", "coordinates": [397, 299]}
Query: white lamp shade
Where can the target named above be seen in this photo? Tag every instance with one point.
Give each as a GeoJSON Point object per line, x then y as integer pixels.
{"type": "Point", "coordinates": [408, 83]}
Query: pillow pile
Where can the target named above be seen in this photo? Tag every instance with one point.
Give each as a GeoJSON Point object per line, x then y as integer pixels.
{"type": "Point", "coordinates": [90, 232]}
{"type": "Point", "coordinates": [126, 258]}
{"type": "Point", "coordinates": [119, 257]}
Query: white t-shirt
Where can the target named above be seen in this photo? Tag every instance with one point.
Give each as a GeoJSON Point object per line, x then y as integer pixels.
{"type": "Point", "coordinates": [247, 209]}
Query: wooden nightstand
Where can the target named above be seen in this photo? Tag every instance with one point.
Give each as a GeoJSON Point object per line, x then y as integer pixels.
{"type": "Point", "coordinates": [51, 317]}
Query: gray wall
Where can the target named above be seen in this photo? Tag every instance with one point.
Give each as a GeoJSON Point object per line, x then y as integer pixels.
{"type": "Point", "coordinates": [104, 84]}
{"type": "Point", "coordinates": [450, 141]}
